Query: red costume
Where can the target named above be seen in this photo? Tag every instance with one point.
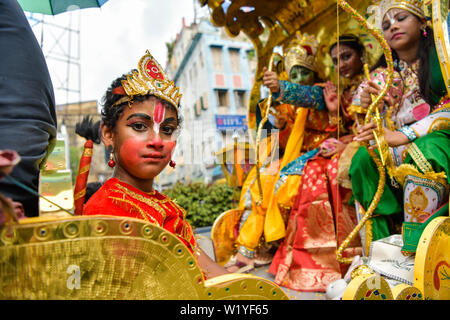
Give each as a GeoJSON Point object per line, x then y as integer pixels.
{"type": "Point", "coordinates": [121, 199]}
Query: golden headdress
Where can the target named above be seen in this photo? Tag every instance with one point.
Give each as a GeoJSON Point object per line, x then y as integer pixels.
{"type": "Point", "coordinates": [149, 79]}
{"type": "Point", "coordinates": [301, 51]}
{"type": "Point", "coordinates": [379, 9]}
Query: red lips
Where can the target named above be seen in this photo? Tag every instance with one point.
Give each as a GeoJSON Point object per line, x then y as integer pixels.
{"type": "Point", "coordinates": [153, 155]}
{"type": "Point", "coordinates": [396, 35]}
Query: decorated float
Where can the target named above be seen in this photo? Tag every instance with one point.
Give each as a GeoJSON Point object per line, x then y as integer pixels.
{"type": "Point", "coordinates": [271, 26]}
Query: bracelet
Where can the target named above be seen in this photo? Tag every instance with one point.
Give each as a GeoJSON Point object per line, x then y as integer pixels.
{"type": "Point", "coordinates": [408, 132]}
{"type": "Point", "coordinates": [246, 252]}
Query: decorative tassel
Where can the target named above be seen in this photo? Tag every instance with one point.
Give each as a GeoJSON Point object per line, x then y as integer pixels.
{"type": "Point", "coordinates": [82, 177]}
{"type": "Point", "coordinates": [91, 132]}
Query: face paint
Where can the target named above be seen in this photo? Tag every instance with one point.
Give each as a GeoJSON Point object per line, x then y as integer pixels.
{"type": "Point", "coordinates": [158, 116]}
{"type": "Point", "coordinates": [129, 151]}
{"type": "Point", "coordinates": [301, 75]}
{"type": "Point", "coordinates": [170, 145]}
{"type": "Point", "coordinates": [390, 17]}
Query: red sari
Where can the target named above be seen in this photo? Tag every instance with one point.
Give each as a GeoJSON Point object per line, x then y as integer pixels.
{"type": "Point", "coordinates": [319, 221]}
{"type": "Point", "coordinates": [121, 199]}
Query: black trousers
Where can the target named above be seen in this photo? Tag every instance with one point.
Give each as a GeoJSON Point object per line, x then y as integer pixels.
{"type": "Point", "coordinates": [27, 103]}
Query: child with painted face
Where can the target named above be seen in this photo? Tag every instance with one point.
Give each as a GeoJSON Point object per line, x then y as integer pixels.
{"type": "Point", "coordinates": [140, 124]}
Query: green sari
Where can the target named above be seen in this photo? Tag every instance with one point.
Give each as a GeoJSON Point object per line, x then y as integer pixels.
{"type": "Point", "coordinates": [425, 162]}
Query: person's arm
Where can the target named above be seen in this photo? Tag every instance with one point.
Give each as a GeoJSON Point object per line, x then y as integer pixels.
{"type": "Point", "coordinates": [437, 120]}
{"type": "Point", "coordinates": [291, 93]}
{"type": "Point", "coordinates": [209, 267]}
{"type": "Point", "coordinates": [310, 97]}
{"type": "Point", "coordinates": [394, 138]}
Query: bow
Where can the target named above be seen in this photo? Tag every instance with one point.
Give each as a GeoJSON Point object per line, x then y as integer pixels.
{"type": "Point", "coordinates": [372, 114]}
{"type": "Point", "coordinates": [258, 136]}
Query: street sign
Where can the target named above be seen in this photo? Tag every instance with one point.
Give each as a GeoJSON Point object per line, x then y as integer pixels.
{"type": "Point", "coordinates": [231, 122]}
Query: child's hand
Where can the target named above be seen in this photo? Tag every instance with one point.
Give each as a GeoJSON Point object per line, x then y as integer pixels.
{"type": "Point", "coordinates": [393, 138]}
{"type": "Point", "coordinates": [270, 80]}
{"type": "Point", "coordinates": [330, 97]}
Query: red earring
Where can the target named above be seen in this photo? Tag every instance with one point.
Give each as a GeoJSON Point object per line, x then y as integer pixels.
{"type": "Point", "coordinates": [111, 162]}
{"type": "Point", "coordinates": [425, 33]}
{"type": "Point", "coordinates": [172, 163]}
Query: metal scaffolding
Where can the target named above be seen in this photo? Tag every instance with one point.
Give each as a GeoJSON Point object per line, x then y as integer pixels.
{"type": "Point", "coordinates": [59, 38]}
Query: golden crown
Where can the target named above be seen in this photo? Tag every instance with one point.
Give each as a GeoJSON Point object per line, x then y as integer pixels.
{"type": "Point", "coordinates": [301, 51]}
{"type": "Point", "coordinates": [151, 79]}
{"type": "Point", "coordinates": [380, 7]}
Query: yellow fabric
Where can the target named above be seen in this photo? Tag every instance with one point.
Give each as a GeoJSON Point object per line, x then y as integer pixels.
{"type": "Point", "coordinates": [288, 191]}
{"type": "Point", "coordinates": [274, 227]}
{"type": "Point", "coordinates": [253, 227]}
{"type": "Point", "coordinates": [259, 221]}
{"type": "Point", "coordinates": [265, 146]}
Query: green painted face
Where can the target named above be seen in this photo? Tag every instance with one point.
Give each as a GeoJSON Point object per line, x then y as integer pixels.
{"type": "Point", "coordinates": [301, 75]}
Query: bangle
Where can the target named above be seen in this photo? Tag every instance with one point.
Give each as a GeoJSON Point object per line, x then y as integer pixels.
{"type": "Point", "coordinates": [408, 132]}
{"type": "Point", "coordinates": [246, 252]}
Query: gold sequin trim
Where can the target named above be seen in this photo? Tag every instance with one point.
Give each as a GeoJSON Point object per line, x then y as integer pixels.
{"type": "Point", "coordinates": [84, 169]}
{"type": "Point", "coordinates": [143, 199]}
{"type": "Point", "coordinates": [134, 207]}
{"type": "Point", "coordinates": [419, 158]}
{"type": "Point", "coordinates": [87, 152]}
{"type": "Point", "coordinates": [80, 194]}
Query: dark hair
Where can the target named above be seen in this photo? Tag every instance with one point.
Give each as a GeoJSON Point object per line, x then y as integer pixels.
{"type": "Point", "coordinates": [110, 113]}
{"type": "Point", "coordinates": [91, 188]}
{"type": "Point", "coordinates": [88, 129]}
{"type": "Point", "coordinates": [426, 44]}
{"type": "Point", "coordinates": [350, 41]}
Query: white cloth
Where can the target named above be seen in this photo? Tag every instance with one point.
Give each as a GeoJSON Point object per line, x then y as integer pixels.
{"type": "Point", "coordinates": [386, 258]}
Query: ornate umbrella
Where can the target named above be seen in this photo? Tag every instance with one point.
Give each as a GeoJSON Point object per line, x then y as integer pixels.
{"type": "Point", "coordinates": [54, 7]}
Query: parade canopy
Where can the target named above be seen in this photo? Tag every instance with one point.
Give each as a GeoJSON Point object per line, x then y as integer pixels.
{"type": "Point", "coordinates": [54, 7]}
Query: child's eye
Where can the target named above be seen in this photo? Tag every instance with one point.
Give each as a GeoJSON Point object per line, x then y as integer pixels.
{"type": "Point", "coordinates": [345, 57]}
{"type": "Point", "coordinates": [401, 18]}
{"type": "Point", "coordinates": [138, 126]}
{"type": "Point", "coordinates": [167, 130]}
{"type": "Point", "coordinates": [386, 26]}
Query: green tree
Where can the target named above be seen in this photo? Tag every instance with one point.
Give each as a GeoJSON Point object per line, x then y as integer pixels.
{"type": "Point", "coordinates": [203, 203]}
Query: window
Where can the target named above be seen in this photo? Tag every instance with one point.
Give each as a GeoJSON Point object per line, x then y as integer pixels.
{"type": "Point", "coordinates": [203, 103]}
{"type": "Point", "coordinates": [197, 109]}
{"type": "Point", "coordinates": [222, 98]}
{"type": "Point", "coordinates": [252, 60]}
{"type": "Point", "coordinates": [217, 58]}
{"type": "Point", "coordinates": [200, 58]}
{"type": "Point", "coordinates": [234, 60]}
{"type": "Point", "coordinates": [240, 98]}
{"type": "Point", "coordinates": [194, 70]}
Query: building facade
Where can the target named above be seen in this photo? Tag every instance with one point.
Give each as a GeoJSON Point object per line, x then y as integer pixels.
{"type": "Point", "coordinates": [215, 74]}
{"type": "Point", "coordinates": [68, 116]}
